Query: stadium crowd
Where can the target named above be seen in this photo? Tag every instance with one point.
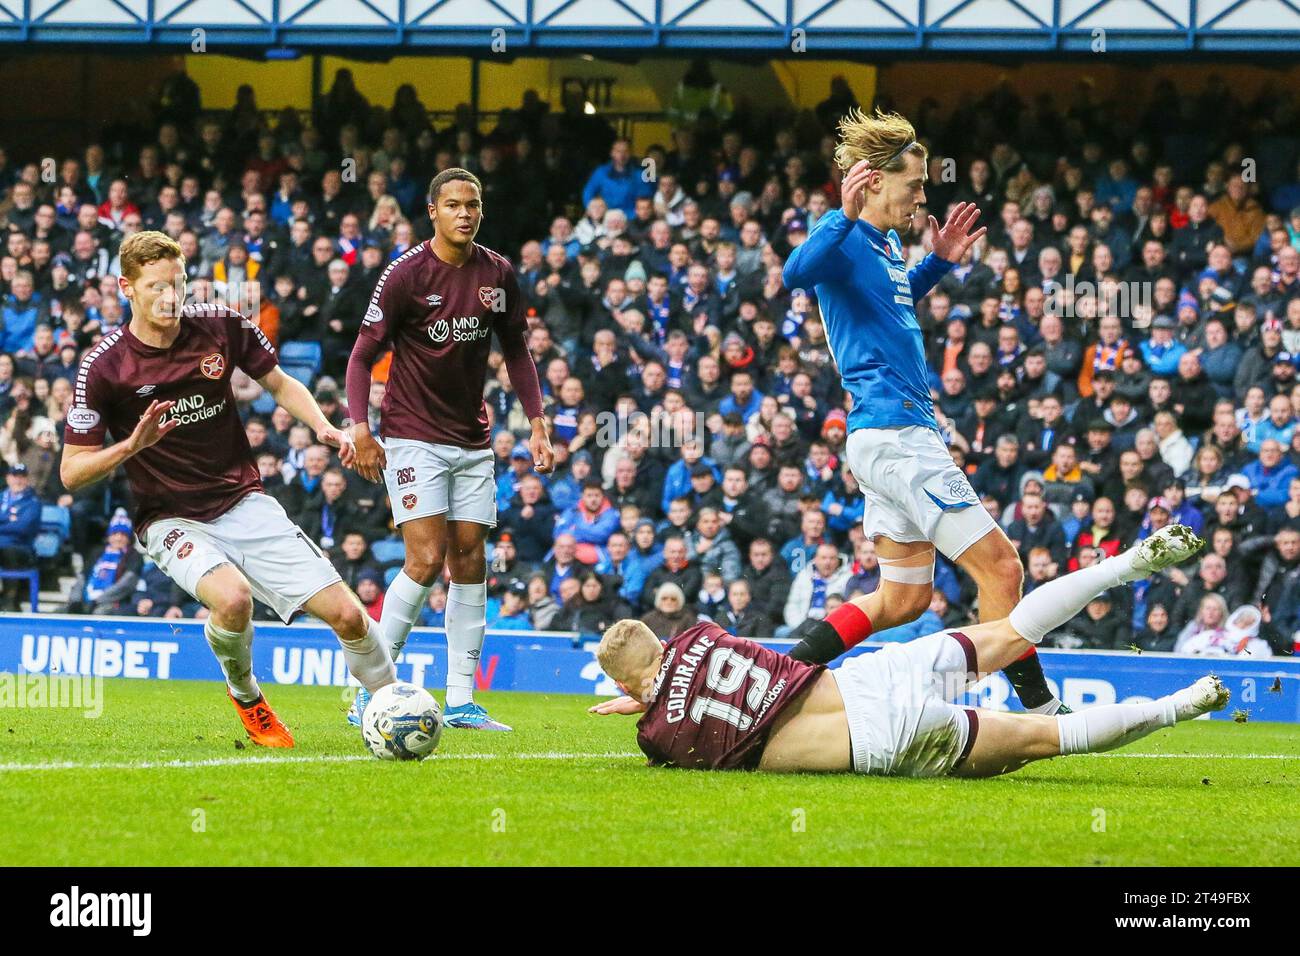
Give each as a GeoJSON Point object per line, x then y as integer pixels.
{"type": "Point", "coordinates": [1119, 352]}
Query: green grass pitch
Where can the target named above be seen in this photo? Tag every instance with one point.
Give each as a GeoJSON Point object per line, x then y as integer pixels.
{"type": "Point", "coordinates": [568, 788]}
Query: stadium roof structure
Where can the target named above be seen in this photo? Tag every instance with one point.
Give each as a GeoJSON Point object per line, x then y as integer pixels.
{"type": "Point", "coordinates": [279, 28]}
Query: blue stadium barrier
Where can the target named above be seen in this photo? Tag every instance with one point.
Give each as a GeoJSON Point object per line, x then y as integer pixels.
{"type": "Point", "coordinates": [550, 662]}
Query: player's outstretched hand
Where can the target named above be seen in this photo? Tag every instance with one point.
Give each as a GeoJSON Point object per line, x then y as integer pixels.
{"type": "Point", "coordinates": [331, 436]}
{"type": "Point", "coordinates": [543, 454]}
{"type": "Point", "coordinates": [617, 705]}
{"type": "Point", "coordinates": [951, 242]}
{"type": "Point", "coordinates": [368, 456]}
{"type": "Point", "coordinates": [347, 450]}
{"type": "Point", "coordinates": [151, 429]}
{"type": "Point", "coordinates": [851, 188]}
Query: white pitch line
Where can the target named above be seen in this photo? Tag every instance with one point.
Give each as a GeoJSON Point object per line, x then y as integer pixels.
{"type": "Point", "coordinates": [263, 760]}
{"type": "Point", "coordinates": [1123, 755]}
{"type": "Point", "coordinates": [547, 755]}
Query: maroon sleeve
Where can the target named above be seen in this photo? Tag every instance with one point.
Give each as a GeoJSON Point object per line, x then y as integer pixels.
{"type": "Point", "coordinates": [376, 329]}
{"type": "Point", "coordinates": [512, 330]}
{"type": "Point", "coordinates": [358, 377]}
{"type": "Point", "coordinates": [251, 350]}
{"type": "Point", "coordinates": [86, 421]}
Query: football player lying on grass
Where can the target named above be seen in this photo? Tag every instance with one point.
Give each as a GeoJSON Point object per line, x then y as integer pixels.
{"type": "Point", "coordinates": [716, 702]}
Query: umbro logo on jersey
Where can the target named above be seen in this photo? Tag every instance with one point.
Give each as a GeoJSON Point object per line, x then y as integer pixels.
{"type": "Point", "coordinates": [145, 389]}
{"type": "Point", "coordinates": [433, 299]}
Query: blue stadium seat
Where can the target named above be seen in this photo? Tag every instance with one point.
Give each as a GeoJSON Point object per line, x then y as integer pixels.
{"type": "Point", "coordinates": [388, 551]}
{"type": "Point", "coordinates": [56, 526]}
{"type": "Point", "coordinates": [56, 520]}
{"type": "Point", "coordinates": [303, 373]}
{"type": "Point", "coordinates": [301, 353]}
{"type": "Point", "coordinates": [264, 404]}
{"type": "Point", "coordinates": [47, 545]}
{"type": "Point", "coordinates": [390, 574]}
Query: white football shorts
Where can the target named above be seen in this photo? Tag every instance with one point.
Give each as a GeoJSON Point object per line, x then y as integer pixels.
{"type": "Point", "coordinates": [914, 491]}
{"type": "Point", "coordinates": [285, 569]}
{"type": "Point", "coordinates": [425, 479]}
{"type": "Point", "coordinates": [901, 722]}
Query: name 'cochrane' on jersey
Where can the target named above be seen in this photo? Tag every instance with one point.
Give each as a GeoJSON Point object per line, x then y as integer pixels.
{"type": "Point", "coordinates": [716, 699]}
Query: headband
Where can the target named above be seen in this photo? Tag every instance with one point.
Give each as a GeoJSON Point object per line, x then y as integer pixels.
{"type": "Point", "coordinates": [898, 154]}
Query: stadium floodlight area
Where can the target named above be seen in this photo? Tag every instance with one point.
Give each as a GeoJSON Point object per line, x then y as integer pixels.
{"type": "Point", "coordinates": [812, 27]}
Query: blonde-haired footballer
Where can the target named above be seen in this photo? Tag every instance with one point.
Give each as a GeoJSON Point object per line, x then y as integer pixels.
{"type": "Point", "coordinates": [155, 397]}
{"type": "Point", "coordinates": [917, 499]}
{"type": "Point", "coordinates": [714, 702]}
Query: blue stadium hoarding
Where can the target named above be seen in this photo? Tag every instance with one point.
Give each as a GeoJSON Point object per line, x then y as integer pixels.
{"type": "Point", "coordinates": [547, 662]}
{"type": "Point", "coordinates": [820, 27]}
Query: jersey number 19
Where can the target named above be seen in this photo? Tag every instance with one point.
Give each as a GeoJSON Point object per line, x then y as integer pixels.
{"type": "Point", "coordinates": [727, 672]}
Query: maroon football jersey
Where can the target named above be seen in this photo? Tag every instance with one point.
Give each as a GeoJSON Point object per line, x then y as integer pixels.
{"type": "Point", "coordinates": [440, 320]}
{"type": "Point", "coordinates": [715, 700]}
{"type": "Point", "coordinates": [204, 467]}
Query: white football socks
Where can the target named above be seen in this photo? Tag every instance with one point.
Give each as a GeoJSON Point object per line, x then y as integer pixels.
{"type": "Point", "coordinates": [368, 659]}
{"type": "Point", "coordinates": [466, 623]}
{"type": "Point", "coordinates": [1107, 726]}
{"type": "Point", "coordinates": [234, 652]}
{"type": "Point", "coordinates": [1050, 605]}
{"type": "Point", "coordinates": [402, 606]}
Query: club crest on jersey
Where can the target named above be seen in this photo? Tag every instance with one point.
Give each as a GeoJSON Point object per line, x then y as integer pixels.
{"type": "Point", "coordinates": [408, 501]}
{"type": "Point", "coordinates": [492, 298]}
{"type": "Point", "coordinates": [185, 551]}
{"type": "Point", "coordinates": [212, 366]}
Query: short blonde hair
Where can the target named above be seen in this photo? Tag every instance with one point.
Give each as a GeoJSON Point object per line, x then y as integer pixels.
{"type": "Point", "coordinates": [883, 140]}
{"type": "Point", "coordinates": [627, 649]}
{"type": "Point", "coordinates": [145, 247]}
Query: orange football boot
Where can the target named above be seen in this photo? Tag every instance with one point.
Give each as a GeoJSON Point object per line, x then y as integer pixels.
{"type": "Point", "coordinates": [265, 729]}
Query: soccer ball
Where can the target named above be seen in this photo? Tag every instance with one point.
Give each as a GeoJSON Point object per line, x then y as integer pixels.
{"type": "Point", "coordinates": [402, 722]}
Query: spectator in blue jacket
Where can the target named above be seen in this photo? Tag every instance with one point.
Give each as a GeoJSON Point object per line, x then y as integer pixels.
{"type": "Point", "coordinates": [843, 503]}
{"type": "Point", "coordinates": [591, 521]}
{"type": "Point", "coordinates": [798, 552]}
{"type": "Point", "coordinates": [20, 522]}
{"type": "Point", "coordinates": [510, 611]}
{"type": "Point", "coordinates": [566, 488]}
{"type": "Point", "coordinates": [521, 464]}
{"type": "Point", "coordinates": [619, 182]}
{"type": "Point", "coordinates": [677, 481]}
{"type": "Point", "coordinates": [434, 612]}
{"type": "Point", "coordinates": [1220, 358]}
{"type": "Point", "coordinates": [745, 400]}
{"type": "Point", "coordinates": [22, 310]}
{"type": "Point", "coordinates": [618, 559]}
{"type": "Point", "coordinates": [1161, 351]}
{"type": "Point", "coordinates": [1279, 426]}
{"type": "Point", "coordinates": [1270, 476]}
